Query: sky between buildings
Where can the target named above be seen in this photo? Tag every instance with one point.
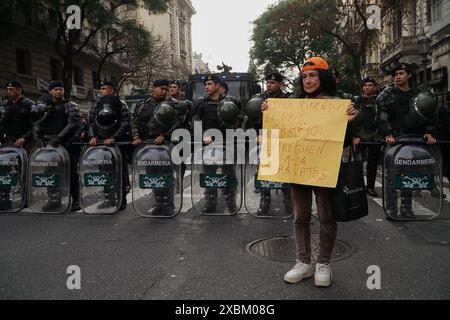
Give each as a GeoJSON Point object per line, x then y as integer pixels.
{"type": "Point", "coordinates": [221, 30]}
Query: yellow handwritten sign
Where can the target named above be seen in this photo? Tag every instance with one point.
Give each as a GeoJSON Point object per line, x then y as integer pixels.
{"type": "Point", "coordinates": [311, 135]}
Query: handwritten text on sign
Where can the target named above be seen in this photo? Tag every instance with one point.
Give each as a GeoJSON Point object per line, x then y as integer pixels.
{"type": "Point", "coordinates": [311, 135]}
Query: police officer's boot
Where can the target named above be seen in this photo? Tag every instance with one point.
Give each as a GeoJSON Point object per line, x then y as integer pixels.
{"type": "Point", "coordinates": [158, 208]}
{"type": "Point", "coordinates": [123, 203]}
{"type": "Point", "coordinates": [109, 198]}
{"type": "Point", "coordinates": [264, 203]}
{"type": "Point", "coordinates": [391, 200]}
{"type": "Point", "coordinates": [75, 200]}
{"type": "Point", "coordinates": [211, 201]}
{"type": "Point", "coordinates": [5, 203]}
{"type": "Point", "coordinates": [54, 201]}
{"type": "Point", "coordinates": [287, 199]}
{"type": "Point", "coordinates": [167, 202]}
{"type": "Point", "coordinates": [231, 201]}
{"type": "Point", "coordinates": [406, 206]}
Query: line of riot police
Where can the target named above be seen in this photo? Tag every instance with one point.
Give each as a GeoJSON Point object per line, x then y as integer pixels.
{"type": "Point", "coordinates": [54, 122]}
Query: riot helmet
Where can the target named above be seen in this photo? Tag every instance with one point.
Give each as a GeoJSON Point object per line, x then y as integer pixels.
{"type": "Point", "coordinates": [165, 114]}
{"type": "Point", "coordinates": [106, 117]}
{"type": "Point", "coordinates": [253, 109]}
{"type": "Point", "coordinates": [228, 111]}
{"type": "Point", "coordinates": [422, 110]}
{"type": "Point", "coordinates": [182, 107]}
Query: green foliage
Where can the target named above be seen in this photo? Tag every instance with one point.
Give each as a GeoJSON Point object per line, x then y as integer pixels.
{"type": "Point", "coordinates": [156, 6]}
{"type": "Point", "coordinates": [293, 30]}
{"type": "Point", "coordinates": [284, 37]}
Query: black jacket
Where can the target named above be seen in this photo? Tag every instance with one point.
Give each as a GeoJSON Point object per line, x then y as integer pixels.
{"type": "Point", "coordinates": [145, 125]}
{"type": "Point", "coordinates": [16, 122]}
{"type": "Point", "coordinates": [61, 121]}
{"type": "Point", "coordinates": [393, 106]}
{"type": "Point", "coordinates": [119, 132]}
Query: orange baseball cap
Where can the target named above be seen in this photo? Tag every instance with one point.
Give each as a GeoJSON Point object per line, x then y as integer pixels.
{"type": "Point", "coordinates": [315, 63]}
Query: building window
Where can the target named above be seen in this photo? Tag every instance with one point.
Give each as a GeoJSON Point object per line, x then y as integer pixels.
{"type": "Point", "coordinates": [397, 24]}
{"type": "Point", "coordinates": [78, 76]}
{"type": "Point", "coordinates": [436, 10]}
{"type": "Point", "coordinates": [55, 69]}
{"type": "Point", "coordinates": [428, 11]}
{"type": "Point", "coordinates": [95, 79]}
{"type": "Point", "coordinates": [23, 61]}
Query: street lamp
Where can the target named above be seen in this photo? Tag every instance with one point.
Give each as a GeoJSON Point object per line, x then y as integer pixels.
{"type": "Point", "coordinates": [424, 46]}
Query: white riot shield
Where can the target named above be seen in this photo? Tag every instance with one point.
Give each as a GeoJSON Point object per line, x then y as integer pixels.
{"type": "Point", "coordinates": [216, 185]}
{"type": "Point", "coordinates": [101, 180]}
{"type": "Point", "coordinates": [265, 199]}
{"type": "Point", "coordinates": [412, 169]}
{"type": "Point", "coordinates": [155, 179]}
{"type": "Point", "coordinates": [49, 180]}
{"type": "Point", "coordinates": [13, 174]}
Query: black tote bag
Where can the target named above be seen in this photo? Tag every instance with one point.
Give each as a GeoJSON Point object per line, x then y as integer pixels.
{"type": "Point", "coordinates": [349, 199]}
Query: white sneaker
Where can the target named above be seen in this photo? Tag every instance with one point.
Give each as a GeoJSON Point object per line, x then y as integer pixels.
{"type": "Point", "coordinates": [299, 272]}
{"type": "Point", "coordinates": [323, 275]}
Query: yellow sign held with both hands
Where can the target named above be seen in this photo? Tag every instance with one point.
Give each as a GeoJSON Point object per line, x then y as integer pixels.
{"type": "Point", "coordinates": [310, 139]}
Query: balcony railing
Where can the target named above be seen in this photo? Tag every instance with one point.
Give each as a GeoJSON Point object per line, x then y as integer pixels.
{"type": "Point", "coordinates": [404, 45]}
{"type": "Point", "coordinates": [30, 84]}
{"type": "Point", "coordinates": [79, 92]}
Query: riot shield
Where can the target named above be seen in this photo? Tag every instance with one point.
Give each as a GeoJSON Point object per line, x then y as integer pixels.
{"type": "Point", "coordinates": [265, 199]}
{"type": "Point", "coordinates": [155, 179]}
{"type": "Point", "coordinates": [412, 169]}
{"type": "Point", "coordinates": [49, 180]}
{"type": "Point", "coordinates": [216, 181]}
{"type": "Point", "coordinates": [101, 180]}
{"type": "Point", "coordinates": [13, 168]}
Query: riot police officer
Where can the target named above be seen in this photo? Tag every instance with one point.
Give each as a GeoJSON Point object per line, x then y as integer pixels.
{"type": "Point", "coordinates": [184, 110]}
{"type": "Point", "coordinates": [110, 121]}
{"type": "Point", "coordinates": [253, 120]}
{"type": "Point", "coordinates": [218, 111]}
{"type": "Point", "coordinates": [366, 130]}
{"type": "Point", "coordinates": [56, 124]}
{"type": "Point", "coordinates": [15, 127]}
{"type": "Point", "coordinates": [15, 121]}
{"type": "Point", "coordinates": [155, 119]}
{"type": "Point", "coordinates": [394, 119]}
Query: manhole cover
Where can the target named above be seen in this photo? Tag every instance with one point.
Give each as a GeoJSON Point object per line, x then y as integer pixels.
{"type": "Point", "coordinates": [282, 249]}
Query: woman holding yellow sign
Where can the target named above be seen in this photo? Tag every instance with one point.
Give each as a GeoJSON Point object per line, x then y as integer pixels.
{"type": "Point", "coordinates": [317, 82]}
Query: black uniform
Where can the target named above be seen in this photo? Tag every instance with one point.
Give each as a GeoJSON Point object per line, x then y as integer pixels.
{"type": "Point", "coordinates": [15, 123]}
{"type": "Point", "coordinates": [146, 127]}
{"type": "Point", "coordinates": [117, 128]}
{"type": "Point", "coordinates": [367, 130]}
{"type": "Point", "coordinates": [206, 110]}
{"type": "Point", "coordinates": [393, 104]}
{"type": "Point", "coordinates": [59, 125]}
{"type": "Point", "coordinates": [185, 122]}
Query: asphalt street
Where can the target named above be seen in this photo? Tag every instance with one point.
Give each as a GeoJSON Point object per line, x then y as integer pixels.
{"type": "Point", "coordinates": [192, 256]}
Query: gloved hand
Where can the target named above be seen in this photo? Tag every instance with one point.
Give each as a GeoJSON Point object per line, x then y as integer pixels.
{"type": "Point", "coordinates": [54, 142]}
